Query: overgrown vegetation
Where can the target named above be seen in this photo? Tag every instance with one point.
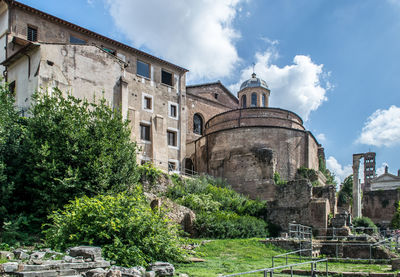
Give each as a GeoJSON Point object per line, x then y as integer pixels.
{"type": "Point", "coordinates": [396, 217]}
{"type": "Point", "coordinates": [124, 225]}
{"type": "Point", "coordinates": [330, 177]}
{"type": "Point", "coordinates": [220, 211]}
{"type": "Point", "coordinates": [309, 174]}
{"type": "Point", "coordinates": [66, 148]}
{"type": "Point", "coordinates": [365, 222]}
{"type": "Point", "coordinates": [345, 195]}
{"type": "Point", "coordinates": [278, 179]}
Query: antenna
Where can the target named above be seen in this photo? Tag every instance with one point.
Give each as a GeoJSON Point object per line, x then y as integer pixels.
{"type": "Point", "coordinates": [253, 66]}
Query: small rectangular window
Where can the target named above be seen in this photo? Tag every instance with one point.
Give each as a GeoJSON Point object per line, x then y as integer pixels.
{"type": "Point", "coordinates": [172, 166]}
{"type": "Point", "coordinates": [173, 111]}
{"type": "Point", "coordinates": [75, 40]}
{"type": "Point", "coordinates": [216, 95]}
{"type": "Point", "coordinates": [166, 78]}
{"type": "Point", "coordinates": [32, 33]}
{"type": "Point", "coordinates": [145, 132]}
{"type": "Point", "coordinates": [147, 102]}
{"type": "Point", "coordinates": [143, 69]}
{"type": "Point", "coordinates": [11, 87]}
{"type": "Point", "coordinates": [171, 135]}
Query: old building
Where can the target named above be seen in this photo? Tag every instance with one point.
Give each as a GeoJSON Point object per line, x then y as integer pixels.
{"type": "Point", "coordinates": [251, 143]}
{"type": "Point", "coordinates": [42, 51]}
{"type": "Point", "coordinates": [199, 128]}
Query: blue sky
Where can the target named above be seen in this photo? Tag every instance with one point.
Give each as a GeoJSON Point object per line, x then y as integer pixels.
{"type": "Point", "coordinates": [335, 63]}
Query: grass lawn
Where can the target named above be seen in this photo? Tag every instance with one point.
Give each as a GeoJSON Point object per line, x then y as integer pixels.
{"type": "Point", "coordinates": [238, 255]}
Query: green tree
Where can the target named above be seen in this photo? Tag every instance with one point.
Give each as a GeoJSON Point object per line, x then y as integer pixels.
{"type": "Point", "coordinates": [70, 148]}
{"type": "Point", "coordinates": [11, 136]}
{"type": "Point", "coordinates": [345, 195]}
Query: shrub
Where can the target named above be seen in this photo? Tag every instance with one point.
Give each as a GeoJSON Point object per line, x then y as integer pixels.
{"type": "Point", "coordinates": [127, 229]}
{"type": "Point", "coordinates": [365, 222]}
{"type": "Point", "coordinates": [396, 217]}
{"type": "Point", "coordinates": [278, 180]}
{"type": "Point", "coordinates": [345, 195]}
{"type": "Point", "coordinates": [220, 211]}
{"type": "Point", "coordinates": [229, 225]}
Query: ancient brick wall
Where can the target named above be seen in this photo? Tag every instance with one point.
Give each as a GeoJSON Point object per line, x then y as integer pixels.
{"type": "Point", "coordinates": [380, 205]}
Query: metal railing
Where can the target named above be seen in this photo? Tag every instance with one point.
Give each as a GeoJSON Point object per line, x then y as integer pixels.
{"type": "Point", "coordinates": [300, 231]}
{"type": "Point", "coordinates": [286, 255]}
{"type": "Point", "coordinates": [271, 270]}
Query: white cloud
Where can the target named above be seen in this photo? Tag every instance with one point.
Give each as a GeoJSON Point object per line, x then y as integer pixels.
{"type": "Point", "coordinates": [196, 34]}
{"type": "Point", "coordinates": [300, 87]}
{"type": "Point", "coordinates": [321, 138]}
{"type": "Point", "coordinates": [341, 172]}
{"type": "Point", "coordinates": [382, 128]}
{"type": "Point", "coordinates": [394, 2]}
{"type": "Point", "coordinates": [381, 170]}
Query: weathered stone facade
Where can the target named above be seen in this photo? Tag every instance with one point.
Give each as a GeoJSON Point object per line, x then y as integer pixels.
{"type": "Point", "coordinates": [380, 205]}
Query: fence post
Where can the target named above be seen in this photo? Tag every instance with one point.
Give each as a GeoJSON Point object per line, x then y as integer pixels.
{"type": "Point", "coordinates": [312, 269]}
{"type": "Point", "coordinates": [326, 267]}
{"type": "Point", "coordinates": [272, 261]}
{"type": "Point", "coordinates": [291, 271]}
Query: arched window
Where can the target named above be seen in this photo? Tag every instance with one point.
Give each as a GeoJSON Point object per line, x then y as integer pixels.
{"type": "Point", "coordinates": [197, 124]}
{"type": "Point", "coordinates": [244, 104]}
{"type": "Point", "coordinates": [264, 98]}
{"type": "Point", "coordinates": [254, 99]}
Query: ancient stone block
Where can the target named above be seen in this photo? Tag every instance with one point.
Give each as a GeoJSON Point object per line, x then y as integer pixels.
{"type": "Point", "coordinates": [85, 251]}
{"type": "Point", "coordinates": [162, 269]}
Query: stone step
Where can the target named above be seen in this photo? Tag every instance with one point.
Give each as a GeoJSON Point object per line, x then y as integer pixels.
{"type": "Point", "coordinates": [65, 266]}
{"type": "Point", "coordinates": [45, 273]}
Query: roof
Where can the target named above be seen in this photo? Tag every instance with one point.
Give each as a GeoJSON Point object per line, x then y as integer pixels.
{"type": "Point", "coordinates": [90, 33]}
{"type": "Point", "coordinates": [21, 52]}
{"type": "Point", "coordinates": [217, 83]}
{"type": "Point", "coordinates": [254, 82]}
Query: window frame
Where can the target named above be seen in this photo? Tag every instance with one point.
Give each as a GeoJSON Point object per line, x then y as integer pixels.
{"type": "Point", "coordinates": [244, 101]}
{"type": "Point", "coordinates": [148, 96]}
{"type": "Point", "coordinates": [36, 32]}
{"type": "Point", "coordinates": [145, 63]}
{"type": "Point", "coordinates": [144, 138]}
{"type": "Point", "coordinates": [176, 162]}
{"type": "Point", "coordinates": [264, 100]}
{"type": "Point", "coordinates": [176, 137]}
{"type": "Point", "coordinates": [170, 105]}
{"type": "Point", "coordinates": [201, 125]}
{"type": "Point", "coordinates": [77, 38]}
{"type": "Point", "coordinates": [253, 96]}
{"type": "Point", "coordinates": [172, 77]}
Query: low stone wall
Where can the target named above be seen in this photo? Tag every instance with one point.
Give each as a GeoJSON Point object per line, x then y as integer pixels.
{"type": "Point", "coordinates": [380, 206]}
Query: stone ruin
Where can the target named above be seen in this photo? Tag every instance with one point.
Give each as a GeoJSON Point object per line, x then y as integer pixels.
{"type": "Point", "coordinates": [80, 261]}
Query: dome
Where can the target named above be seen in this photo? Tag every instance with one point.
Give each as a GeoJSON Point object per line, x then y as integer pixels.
{"type": "Point", "coordinates": [254, 82]}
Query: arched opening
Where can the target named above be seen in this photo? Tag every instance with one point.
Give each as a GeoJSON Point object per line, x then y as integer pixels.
{"type": "Point", "coordinates": [189, 167]}
{"type": "Point", "coordinates": [264, 100]}
{"type": "Point", "coordinates": [244, 104]}
{"type": "Point", "coordinates": [254, 99]}
{"type": "Point", "coordinates": [197, 124]}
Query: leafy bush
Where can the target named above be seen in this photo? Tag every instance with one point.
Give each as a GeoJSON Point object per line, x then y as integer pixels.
{"type": "Point", "coordinates": [148, 172]}
{"type": "Point", "coordinates": [220, 211]}
{"type": "Point", "coordinates": [229, 225]}
{"type": "Point", "coordinates": [125, 226]}
{"type": "Point", "coordinates": [365, 222]}
{"type": "Point", "coordinates": [66, 148]}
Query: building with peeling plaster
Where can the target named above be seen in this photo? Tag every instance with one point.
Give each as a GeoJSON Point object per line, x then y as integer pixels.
{"type": "Point", "coordinates": [199, 128]}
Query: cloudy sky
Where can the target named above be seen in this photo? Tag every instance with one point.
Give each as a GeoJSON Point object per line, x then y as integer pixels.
{"type": "Point", "coordinates": [335, 63]}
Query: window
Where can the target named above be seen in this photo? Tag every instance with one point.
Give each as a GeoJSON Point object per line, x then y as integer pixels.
{"type": "Point", "coordinates": [197, 124]}
{"type": "Point", "coordinates": [143, 69]}
{"type": "Point", "coordinates": [147, 102]}
{"type": "Point", "coordinates": [11, 87]}
{"type": "Point", "coordinates": [171, 136]}
{"type": "Point", "coordinates": [244, 102]}
{"type": "Point", "coordinates": [216, 95]}
{"type": "Point", "coordinates": [32, 33]}
{"type": "Point", "coordinates": [173, 110]}
{"type": "Point", "coordinates": [75, 40]}
{"type": "Point", "coordinates": [166, 78]}
{"type": "Point", "coordinates": [264, 98]}
{"type": "Point", "coordinates": [254, 99]}
{"type": "Point", "coordinates": [144, 132]}
{"type": "Point", "coordinates": [172, 166]}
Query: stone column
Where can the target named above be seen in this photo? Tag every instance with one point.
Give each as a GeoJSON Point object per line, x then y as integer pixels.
{"type": "Point", "coordinates": [356, 186]}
